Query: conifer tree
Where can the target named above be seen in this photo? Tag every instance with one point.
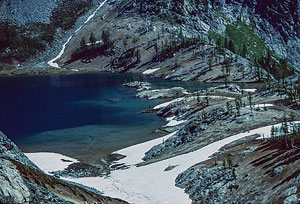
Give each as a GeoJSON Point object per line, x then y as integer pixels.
{"type": "Point", "coordinates": [244, 51]}
{"type": "Point", "coordinates": [83, 44]}
{"type": "Point", "coordinates": [231, 46]}
{"type": "Point", "coordinates": [92, 39]}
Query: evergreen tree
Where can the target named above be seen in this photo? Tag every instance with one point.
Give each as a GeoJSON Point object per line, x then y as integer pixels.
{"type": "Point", "coordinates": [219, 42]}
{"type": "Point", "coordinates": [138, 54]}
{"type": "Point", "coordinates": [106, 38]}
{"type": "Point", "coordinates": [83, 44]}
{"type": "Point", "coordinates": [272, 132]}
{"type": "Point", "coordinates": [233, 173]}
{"type": "Point", "coordinates": [285, 129]}
{"type": "Point", "coordinates": [231, 46]}
{"type": "Point", "coordinates": [229, 107]}
{"type": "Point", "coordinates": [92, 39]}
{"type": "Point", "coordinates": [250, 100]}
{"type": "Point", "coordinates": [229, 161]}
{"type": "Point", "coordinates": [156, 49]}
{"type": "Point", "coordinates": [125, 42]}
{"type": "Point", "coordinates": [244, 51]}
{"type": "Point", "coordinates": [226, 43]}
{"type": "Point", "coordinates": [207, 96]}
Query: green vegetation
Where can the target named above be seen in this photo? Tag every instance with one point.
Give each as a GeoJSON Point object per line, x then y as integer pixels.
{"type": "Point", "coordinates": [242, 35]}
{"type": "Point", "coordinates": [106, 39]}
{"type": "Point", "coordinates": [67, 12]}
{"type": "Point", "coordinates": [92, 39]}
{"type": "Point", "coordinates": [21, 42]}
{"type": "Point", "coordinates": [169, 47]}
{"type": "Point", "coordinates": [287, 134]}
{"type": "Point", "coordinates": [241, 39]}
{"type": "Point", "coordinates": [85, 52]}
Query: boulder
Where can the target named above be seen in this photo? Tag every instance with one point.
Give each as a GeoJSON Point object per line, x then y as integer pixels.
{"type": "Point", "coordinates": [290, 191]}
{"type": "Point", "coordinates": [293, 199]}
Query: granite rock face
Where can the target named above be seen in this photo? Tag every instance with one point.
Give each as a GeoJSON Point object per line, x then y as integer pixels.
{"type": "Point", "coordinates": [14, 188]}
{"type": "Point", "coordinates": [23, 12]}
{"type": "Point", "coordinates": [12, 184]}
{"type": "Point", "coordinates": [276, 22]}
{"type": "Point", "coordinates": [207, 185]}
{"type": "Point", "coordinates": [8, 150]}
{"type": "Point", "coordinates": [188, 133]}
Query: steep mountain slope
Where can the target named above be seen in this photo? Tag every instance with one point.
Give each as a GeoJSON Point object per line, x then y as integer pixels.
{"type": "Point", "coordinates": [182, 34]}
{"type": "Point", "coordinates": [152, 27]}
{"type": "Point", "coordinates": [22, 181]}
{"type": "Point", "coordinates": [31, 30]}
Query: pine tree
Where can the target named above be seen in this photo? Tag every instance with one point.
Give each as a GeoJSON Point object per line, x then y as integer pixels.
{"type": "Point", "coordinates": [125, 42]}
{"type": "Point", "coordinates": [233, 173]}
{"type": "Point", "coordinates": [272, 132]}
{"type": "Point", "coordinates": [244, 51]}
{"type": "Point", "coordinates": [226, 43]}
{"type": "Point", "coordinates": [231, 46]}
{"type": "Point", "coordinates": [229, 107]}
{"type": "Point", "coordinates": [207, 96]}
{"type": "Point", "coordinates": [285, 129]}
{"type": "Point", "coordinates": [250, 100]}
{"type": "Point", "coordinates": [229, 161]}
{"type": "Point", "coordinates": [83, 44]}
{"type": "Point", "coordinates": [156, 49]}
{"type": "Point", "coordinates": [138, 54]}
{"type": "Point", "coordinates": [219, 42]}
{"type": "Point", "coordinates": [92, 39]}
{"type": "Point", "coordinates": [106, 38]}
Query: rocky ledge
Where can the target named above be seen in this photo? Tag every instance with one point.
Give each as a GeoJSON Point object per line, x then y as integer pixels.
{"type": "Point", "coordinates": [22, 181]}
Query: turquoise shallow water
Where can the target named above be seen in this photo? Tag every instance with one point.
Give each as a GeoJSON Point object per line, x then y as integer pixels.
{"type": "Point", "coordinates": [85, 115]}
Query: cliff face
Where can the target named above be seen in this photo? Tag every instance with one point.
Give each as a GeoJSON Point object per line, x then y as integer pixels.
{"type": "Point", "coordinates": [21, 181]}
{"type": "Point", "coordinates": [22, 12]}
{"type": "Point", "coordinates": [276, 22]}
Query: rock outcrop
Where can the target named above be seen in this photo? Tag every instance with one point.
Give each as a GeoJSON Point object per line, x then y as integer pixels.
{"type": "Point", "coordinates": [208, 185]}
{"type": "Point", "coordinates": [21, 181]}
{"type": "Point", "coordinates": [276, 22]}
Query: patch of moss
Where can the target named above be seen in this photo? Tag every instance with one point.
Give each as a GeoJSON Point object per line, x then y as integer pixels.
{"type": "Point", "coordinates": [242, 34]}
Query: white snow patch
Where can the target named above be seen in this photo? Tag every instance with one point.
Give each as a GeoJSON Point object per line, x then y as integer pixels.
{"type": "Point", "coordinates": [52, 62]}
{"type": "Point", "coordinates": [261, 105]}
{"type": "Point", "coordinates": [151, 183]}
{"type": "Point", "coordinates": [97, 42]}
{"type": "Point", "coordinates": [250, 90]}
{"type": "Point", "coordinates": [136, 156]}
{"type": "Point", "coordinates": [150, 71]}
{"type": "Point", "coordinates": [173, 123]}
{"type": "Point", "coordinates": [170, 118]}
{"type": "Point", "coordinates": [163, 105]}
{"type": "Point", "coordinates": [50, 161]}
{"type": "Point", "coordinates": [221, 97]}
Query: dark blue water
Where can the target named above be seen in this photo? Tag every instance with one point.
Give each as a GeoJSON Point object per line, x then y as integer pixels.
{"type": "Point", "coordinates": [76, 115]}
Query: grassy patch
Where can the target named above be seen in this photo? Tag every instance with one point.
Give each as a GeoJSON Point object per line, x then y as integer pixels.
{"type": "Point", "coordinates": [249, 45]}
{"type": "Point", "coordinates": [22, 42]}
{"type": "Point", "coordinates": [240, 34]}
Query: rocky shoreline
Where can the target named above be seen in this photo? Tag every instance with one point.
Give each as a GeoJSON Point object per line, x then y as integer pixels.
{"type": "Point", "coordinates": [196, 120]}
{"type": "Point", "coordinates": [23, 182]}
